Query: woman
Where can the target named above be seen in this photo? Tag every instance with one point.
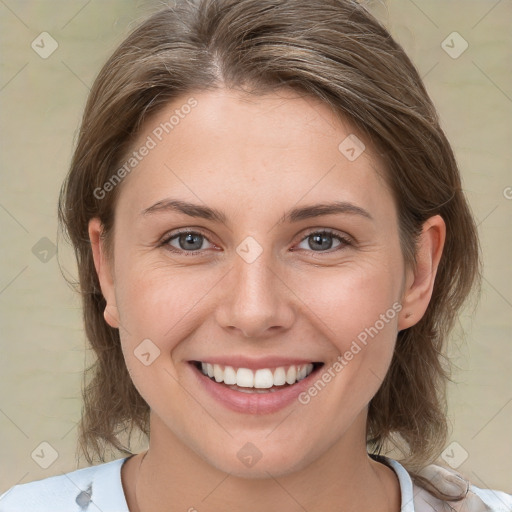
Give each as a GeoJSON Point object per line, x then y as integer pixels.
{"type": "Point", "coordinates": [273, 246]}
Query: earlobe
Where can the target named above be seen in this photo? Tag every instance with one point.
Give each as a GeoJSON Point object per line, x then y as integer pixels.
{"type": "Point", "coordinates": [420, 280]}
{"type": "Point", "coordinates": [103, 271]}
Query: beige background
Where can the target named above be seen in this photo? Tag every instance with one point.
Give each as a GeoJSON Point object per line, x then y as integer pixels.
{"type": "Point", "coordinates": [43, 348]}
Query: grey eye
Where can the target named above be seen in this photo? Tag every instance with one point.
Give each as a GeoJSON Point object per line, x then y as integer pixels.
{"type": "Point", "coordinates": [189, 241]}
{"type": "Point", "coordinates": [321, 241]}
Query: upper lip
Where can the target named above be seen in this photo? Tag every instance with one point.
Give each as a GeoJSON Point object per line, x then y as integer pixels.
{"type": "Point", "coordinates": [253, 363]}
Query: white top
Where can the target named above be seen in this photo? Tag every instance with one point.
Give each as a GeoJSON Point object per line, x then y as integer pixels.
{"type": "Point", "coordinates": [99, 489]}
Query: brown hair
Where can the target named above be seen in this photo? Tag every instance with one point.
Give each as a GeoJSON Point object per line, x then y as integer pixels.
{"type": "Point", "coordinates": [333, 50]}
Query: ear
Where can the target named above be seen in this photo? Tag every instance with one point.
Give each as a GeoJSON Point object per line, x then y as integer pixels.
{"type": "Point", "coordinates": [419, 282]}
{"type": "Point", "coordinates": [103, 270]}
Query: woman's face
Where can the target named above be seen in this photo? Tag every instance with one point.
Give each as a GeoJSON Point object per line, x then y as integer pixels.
{"type": "Point", "coordinates": [259, 284]}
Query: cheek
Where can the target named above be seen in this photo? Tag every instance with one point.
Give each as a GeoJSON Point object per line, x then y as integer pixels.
{"type": "Point", "coordinates": [348, 301]}
{"type": "Point", "coordinates": [155, 309]}
{"type": "Point", "coordinates": [159, 307]}
{"type": "Point", "coordinates": [159, 302]}
{"type": "Point", "coordinates": [357, 310]}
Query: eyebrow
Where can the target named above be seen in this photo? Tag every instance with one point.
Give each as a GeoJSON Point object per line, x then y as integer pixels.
{"type": "Point", "coordinates": [293, 215]}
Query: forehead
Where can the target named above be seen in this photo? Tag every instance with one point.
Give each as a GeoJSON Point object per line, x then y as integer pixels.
{"type": "Point", "coordinates": [243, 151]}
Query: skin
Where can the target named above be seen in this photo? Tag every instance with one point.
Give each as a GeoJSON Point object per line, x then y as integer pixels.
{"type": "Point", "coordinates": [254, 159]}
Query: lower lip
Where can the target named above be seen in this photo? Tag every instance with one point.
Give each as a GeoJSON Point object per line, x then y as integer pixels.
{"type": "Point", "coordinates": [253, 403]}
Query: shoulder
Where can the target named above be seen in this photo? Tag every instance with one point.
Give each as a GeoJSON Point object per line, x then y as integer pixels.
{"type": "Point", "coordinates": [476, 500]}
{"type": "Point", "coordinates": [92, 489]}
{"type": "Point", "coordinates": [467, 497]}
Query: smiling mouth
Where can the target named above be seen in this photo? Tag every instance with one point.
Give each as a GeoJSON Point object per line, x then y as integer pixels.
{"type": "Point", "coordinates": [262, 380]}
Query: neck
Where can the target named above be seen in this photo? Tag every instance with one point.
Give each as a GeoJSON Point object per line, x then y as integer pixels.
{"type": "Point", "coordinates": [173, 476]}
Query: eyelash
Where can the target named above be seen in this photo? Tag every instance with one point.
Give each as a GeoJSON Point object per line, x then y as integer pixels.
{"type": "Point", "coordinates": [345, 241]}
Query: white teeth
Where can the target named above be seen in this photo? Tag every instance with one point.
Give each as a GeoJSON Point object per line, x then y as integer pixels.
{"type": "Point", "coordinates": [279, 376]}
{"type": "Point", "coordinates": [291, 375]}
{"type": "Point", "coordinates": [218, 374]}
{"type": "Point", "coordinates": [263, 378]}
{"type": "Point", "coordinates": [229, 375]}
{"type": "Point", "coordinates": [245, 378]}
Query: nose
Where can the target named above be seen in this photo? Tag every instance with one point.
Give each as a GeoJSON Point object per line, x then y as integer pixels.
{"type": "Point", "coordinates": [256, 301]}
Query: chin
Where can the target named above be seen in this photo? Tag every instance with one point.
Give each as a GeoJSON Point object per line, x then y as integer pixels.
{"type": "Point", "coordinates": [250, 462]}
